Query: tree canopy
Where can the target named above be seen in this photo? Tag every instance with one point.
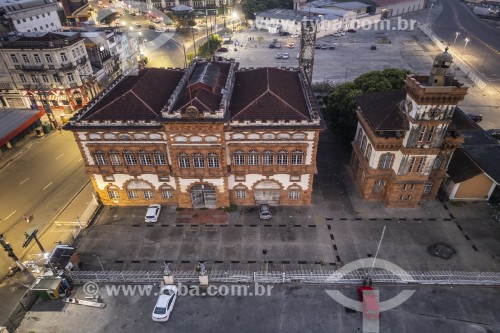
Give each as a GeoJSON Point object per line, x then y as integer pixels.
{"type": "Point", "coordinates": [250, 7]}
{"type": "Point", "coordinates": [341, 105]}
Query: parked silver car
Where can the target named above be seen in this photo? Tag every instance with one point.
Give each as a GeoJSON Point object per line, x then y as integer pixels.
{"type": "Point", "coordinates": [264, 212]}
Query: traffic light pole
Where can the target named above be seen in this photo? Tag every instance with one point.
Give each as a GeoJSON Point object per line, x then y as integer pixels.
{"type": "Point", "coordinates": [7, 248]}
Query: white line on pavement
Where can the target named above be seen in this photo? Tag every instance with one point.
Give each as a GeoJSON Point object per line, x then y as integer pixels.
{"type": "Point", "coordinates": [23, 181]}
{"type": "Point", "coordinates": [10, 215]}
{"type": "Point", "coordinates": [59, 156]}
{"type": "Point", "coordinates": [47, 186]}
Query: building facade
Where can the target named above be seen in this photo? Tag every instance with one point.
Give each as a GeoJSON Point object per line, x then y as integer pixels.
{"type": "Point", "coordinates": [404, 140]}
{"type": "Point", "coordinates": [210, 136]}
{"type": "Point", "coordinates": [30, 16]}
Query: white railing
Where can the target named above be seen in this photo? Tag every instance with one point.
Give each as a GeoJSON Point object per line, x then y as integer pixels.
{"type": "Point", "coordinates": [305, 277]}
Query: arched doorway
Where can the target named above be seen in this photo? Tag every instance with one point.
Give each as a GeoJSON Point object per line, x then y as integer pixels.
{"type": "Point", "coordinates": [267, 191]}
{"type": "Point", "coordinates": [203, 196]}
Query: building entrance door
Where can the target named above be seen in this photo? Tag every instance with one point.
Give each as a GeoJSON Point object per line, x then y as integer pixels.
{"type": "Point", "coordinates": [267, 191]}
{"type": "Point", "coordinates": [203, 196]}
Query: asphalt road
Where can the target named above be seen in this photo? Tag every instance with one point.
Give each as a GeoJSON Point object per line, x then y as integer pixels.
{"type": "Point", "coordinates": [39, 183]}
{"type": "Point", "coordinates": [483, 49]}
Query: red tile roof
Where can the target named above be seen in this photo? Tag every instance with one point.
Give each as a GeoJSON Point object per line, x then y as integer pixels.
{"type": "Point", "coordinates": [140, 97]}
{"type": "Point", "coordinates": [382, 109]}
{"type": "Point", "coordinates": [268, 94]}
{"type": "Point", "coordinates": [204, 89]}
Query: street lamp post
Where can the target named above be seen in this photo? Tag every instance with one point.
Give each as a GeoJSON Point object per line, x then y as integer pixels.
{"type": "Point", "coordinates": [466, 41]}
{"type": "Point", "coordinates": [456, 36]}
{"type": "Point", "coordinates": [429, 16]}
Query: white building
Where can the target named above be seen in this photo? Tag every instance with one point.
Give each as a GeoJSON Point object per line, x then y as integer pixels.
{"type": "Point", "coordinates": [30, 15]}
{"type": "Point", "coordinates": [389, 8]}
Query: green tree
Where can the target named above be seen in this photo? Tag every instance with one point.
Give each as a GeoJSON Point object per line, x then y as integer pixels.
{"type": "Point", "coordinates": [341, 105]}
{"type": "Point", "coordinates": [208, 49]}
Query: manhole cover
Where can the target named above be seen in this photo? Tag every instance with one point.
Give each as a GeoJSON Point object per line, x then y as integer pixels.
{"type": "Point", "coordinates": [441, 250]}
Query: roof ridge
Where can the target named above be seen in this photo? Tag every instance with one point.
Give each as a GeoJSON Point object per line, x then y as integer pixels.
{"type": "Point", "coordinates": [146, 104]}
{"type": "Point", "coordinates": [253, 101]}
{"type": "Point", "coordinates": [294, 109]}
{"type": "Point", "coordinates": [110, 102]}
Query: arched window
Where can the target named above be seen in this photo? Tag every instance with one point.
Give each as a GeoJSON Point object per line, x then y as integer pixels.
{"type": "Point", "coordinates": [94, 136]}
{"type": "Point", "coordinates": [130, 158]}
{"type": "Point", "coordinates": [198, 160]}
{"type": "Point", "coordinates": [268, 157]}
{"type": "Point", "coordinates": [253, 157]}
{"type": "Point", "coordinates": [213, 160]}
{"type": "Point", "coordinates": [379, 186]}
{"type": "Point", "coordinates": [159, 157]}
{"type": "Point", "coordinates": [297, 157]}
{"type": "Point", "coordinates": [109, 136]}
{"type": "Point", "coordinates": [283, 136]}
{"type": "Point", "coordinates": [294, 192]}
{"type": "Point", "coordinates": [113, 192]}
{"type": "Point", "coordinates": [180, 139]}
{"type": "Point", "coordinates": [144, 157]}
{"type": "Point", "coordinates": [139, 136]}
{"type": "Point", "coordinates": [124, 136]}
{"type": "Point", "coordinates": [238, 157]}
{"type": "Point", "coordinates": [385, 161]}
{"type": "Point", "coordinates": [114, 156]}
{"type": "Point", "coordinates": [100, 158]}
{"type": "Point", "coordinates": [282, 157]}
{"type": "Point", "coordinates": [167, 192]}
{"type": "Point", "coordinates": [183, 160]}
{"type": "Point", "coordinates": [368, 152]}
{"type": "Point", "coordinates": [298, 136]}
{"type": "Point", "coordinates": [253, 136]}
{"type": "Point", "coordinates": [240, 192]}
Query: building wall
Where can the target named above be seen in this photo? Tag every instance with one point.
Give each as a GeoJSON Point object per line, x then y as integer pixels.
{"type": "Point", "coordinates": [43, 18]}
{"type": "Point", "coordinates": [477, 188]}
{"type": "Point", "coordinates": [401, 8]}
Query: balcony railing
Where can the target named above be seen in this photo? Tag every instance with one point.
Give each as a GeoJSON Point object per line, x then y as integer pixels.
{"type": "Point", "coordinates": [33, 68]}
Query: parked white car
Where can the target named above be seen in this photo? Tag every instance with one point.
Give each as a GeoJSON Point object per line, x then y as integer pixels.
{"type": "Point", "coordinates": [286, 56]}
{"type": "Point", "coordinates": [165, 303]}
{"type": "Point", "coordinates": [160, 30]}
{"type": "Point", "coordinates": [153, 213]}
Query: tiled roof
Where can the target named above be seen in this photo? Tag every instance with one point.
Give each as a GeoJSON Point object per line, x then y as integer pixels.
{"type": "Point", "coordinates": [204, 89]}
{"type": "Point", "coordinates": [461, 167]}
{"type": "Point", "coordinates": [140, 97]}
{"type": "Point", "coordinates": [384, 3]}
{"type": "Point", "coordinates": [487, 158]}
{"type": "Point", "coordinates": [268, 94]}
{"type": "Point", "coordinates": [382, 109]}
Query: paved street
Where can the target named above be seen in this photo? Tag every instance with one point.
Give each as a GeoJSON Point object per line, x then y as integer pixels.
{"type": "Point", "coordinates": [288, 309]}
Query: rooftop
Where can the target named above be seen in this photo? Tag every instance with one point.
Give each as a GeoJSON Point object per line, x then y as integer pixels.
{"type": "Point", "coordinates": [382, 109]}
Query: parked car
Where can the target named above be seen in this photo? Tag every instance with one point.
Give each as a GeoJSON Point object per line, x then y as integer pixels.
{"type": "Point", "coordinates": [278, 56]}
{"type": "Point", "coordinates": [476, 117]}
{"type": "Point", "coordinates": [223, 49]}
{"type": "Point", "coordinates": [324, 47]}
{"type": "Point", "coordinates": [494, 133]}
{"type": "Point", "coordinates": [331, 47]}
{"type": "Point", "coordinates": [373, 47]}
{"type": "Point", "coordinates": [294, 35]}
{"type": "Point", "coordinates": [351, 30]}
{"type": "Point", "coordinates": [271, 46]}
{"type": "Point", "coordinates": [165, 303]}
{"type": "Point", "coordinates": [152, 213]}
{"type": "Point", "coordinates": [317, 47]}
{"type": "Point", "coordinates": [286, 56]}
{"type": "Point", "coordinates": [264, 212]}
{"type": "Point", "coordinates": [337, 34]}
{"type": "Point", "coordinates": [138, 24]}
{"type": "Point", "coordinates": [160, 30]}
{"type": "Point", "coordinates": [284, 33]}
{"type": "Point", "coordinates": [298, 55]}
{"type": "Point", "coordinates": [152, 27]}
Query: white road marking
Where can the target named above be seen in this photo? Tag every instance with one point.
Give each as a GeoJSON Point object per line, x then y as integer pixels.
{"type": "Point", "coordinates": [23, 181]}
{"type": "Point", "coordinates": [59, 156]}
{"type": "Point", "coordinates": [10, 215]}
{"type": "Point", "coordinates": [47, 186]}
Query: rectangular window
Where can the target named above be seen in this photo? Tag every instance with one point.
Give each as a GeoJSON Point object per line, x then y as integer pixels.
{"type": "Point", "coordinates": [45, 79]}
{"type": "Point", "coordinates": [14, 58]}
{"type": "Point", "coordinates": [431, 133]}
{"type": "Point", "coordinates": [241, 194]}
{"type": "Point", "coordinates": [404, 187]}
{"type": "Point", "coordinates": [109, 178]}
{"type": "Point", "coordinates": [159, 159]}
{"type": "Point", "coordinates": [412, 187]}
{"type": "Point", "coordinates": [420, 165]}
{"type": "Point", "coordinates": [132, 194]}
{"type": "Point", "coordinates": [37, 58]}
{"type": "Point", "coordinates": [130, 159]}
{"type": "Point", "coordinates": [282, 159]}
{"type": "Point", "coordinates": [73, 53]}
{"type": "Point", "coordinates": [267, 159]}
{"type": "Point", "coordinates": [253, 159]}
{"type": "Point", "coordinates": [113, 194]}
{"type": "Point", "coordinates": [198, 162]}
{"type": "Point", "coordinates": [163, 178]}
{"type": "Point", "coordinates": [239, 159]}
{"type": "Point", "coordinates": [379, 186]}
{"type": "Point", "coordinates": [34, 79]}
{"type": "Point", "coordinates": [422, 133]}
{"type": "Point", "coordinates": [296, 159]}
{"type": "Point", "coordinates": [23, 78]}
{"type": "Point", "coordinates": [115, 159]}
{"type": "Point", "coordinates": [70, 77]}
{"type": "Point", "coordinates": [167, 194]}
{"type": "Point", "coordinates": [295, 178]}
{"type": "Point", "coordinates": [184, 162]}
{"type": "Point", "coordinates": [57, 78]}
{"type": "Point", "coordinates": [148, 194]}
{"type": "Point", "coordinates": [293, 194]}
{"type": "Point", "coordinates": [239, 178]}
{"type": "Point", "coordinates": [411, 164]}
{"type": "Point", "coordinates": [26, 59]}
{"type": "Point", "coordinates": [145, 159]}
{"type": "Point", "coordinates": [48, 57]}
{"type": "Point", "coordinates": [213, 162]}
{"type": "Point", "coordinates": [64, 58]}
{"type": "Point", "coordinates": [101, 159]}
{"type": "Point", "coordinates": [427, 188]}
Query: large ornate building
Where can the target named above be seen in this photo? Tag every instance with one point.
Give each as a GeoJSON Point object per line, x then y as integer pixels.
{"type": "Point", "coordinates": [209, 135]}
{"type": "Point", "coordinates": [404, 140]}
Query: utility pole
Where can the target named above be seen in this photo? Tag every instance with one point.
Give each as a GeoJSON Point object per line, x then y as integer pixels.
{"type": "Point", "coordinates": [42, 93]}
{"type": "Point", "coordinates": [32, 236]}
{"type": "Point", "coordinates": [7, 248]}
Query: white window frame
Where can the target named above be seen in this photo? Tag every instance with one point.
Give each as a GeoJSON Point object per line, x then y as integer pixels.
{"type": "Point", "coordinates": [282, 157]}
{"type": "Point", "coordinates": [213, 161]}
{"type": "Point", "coordinates": [198, 161]}
{"type": "Point", "coordinates": [167, 193]}
{"type": "Point", "coordinates": [297, 157]}
{"type": "Point", "coordinates": [238, 157]}
{"type": "Point", "coordinates": [132, 194]}
{"type": "Point", "coordinates": [145, 159]}
{"type": "Point", "coordinates": [184, 162]}
{"type": "Point", "coordinates": [253, 157]}
{"type": "Point", "coordinates": [268, 157]}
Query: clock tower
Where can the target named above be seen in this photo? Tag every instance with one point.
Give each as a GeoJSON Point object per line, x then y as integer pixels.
{"type": "Point", "coordinates": [307, 45]}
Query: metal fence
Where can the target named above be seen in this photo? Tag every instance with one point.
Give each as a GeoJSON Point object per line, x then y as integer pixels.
{"type": "Point", "coordinates": [17, 315]}
{"type": "Point", "coordinates": [304, 277]}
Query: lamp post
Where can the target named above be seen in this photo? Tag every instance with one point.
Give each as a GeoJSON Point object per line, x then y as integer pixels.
{"type": "Point", "coordinates": [466, 41]}
{"type": "Point", "coordinates": [456, 36]}
{"type": "Point", "coordinates": [429, 16]}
